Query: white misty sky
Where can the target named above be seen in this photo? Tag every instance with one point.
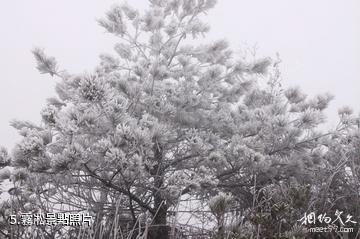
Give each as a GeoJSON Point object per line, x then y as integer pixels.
{"type": "Point", "coordinates": [318, 41]}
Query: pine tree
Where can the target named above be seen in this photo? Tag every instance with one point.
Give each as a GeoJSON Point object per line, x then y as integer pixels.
{"type": "Point", "coordinates": [163, 117]}
{"type": "Point", "coordinates": [141, 127]}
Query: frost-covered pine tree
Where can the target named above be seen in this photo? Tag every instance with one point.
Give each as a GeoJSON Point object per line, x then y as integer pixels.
{"type": "Point", "coordinates": [161, 117]}
{"type": "Point", "coordinates": [139, 129]}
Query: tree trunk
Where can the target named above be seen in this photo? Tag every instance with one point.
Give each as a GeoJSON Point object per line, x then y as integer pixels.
{"type": "Point", "coordinates": [159, 228]}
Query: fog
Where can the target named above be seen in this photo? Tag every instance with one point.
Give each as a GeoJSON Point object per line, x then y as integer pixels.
{"type": "Point", "coordinates": [318, 42]}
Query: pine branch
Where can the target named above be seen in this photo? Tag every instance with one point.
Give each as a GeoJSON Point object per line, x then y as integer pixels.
{"type": "Point", "coordinates": [119, 189]}
{"type": "Point", "coordinates": [45, 64]}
